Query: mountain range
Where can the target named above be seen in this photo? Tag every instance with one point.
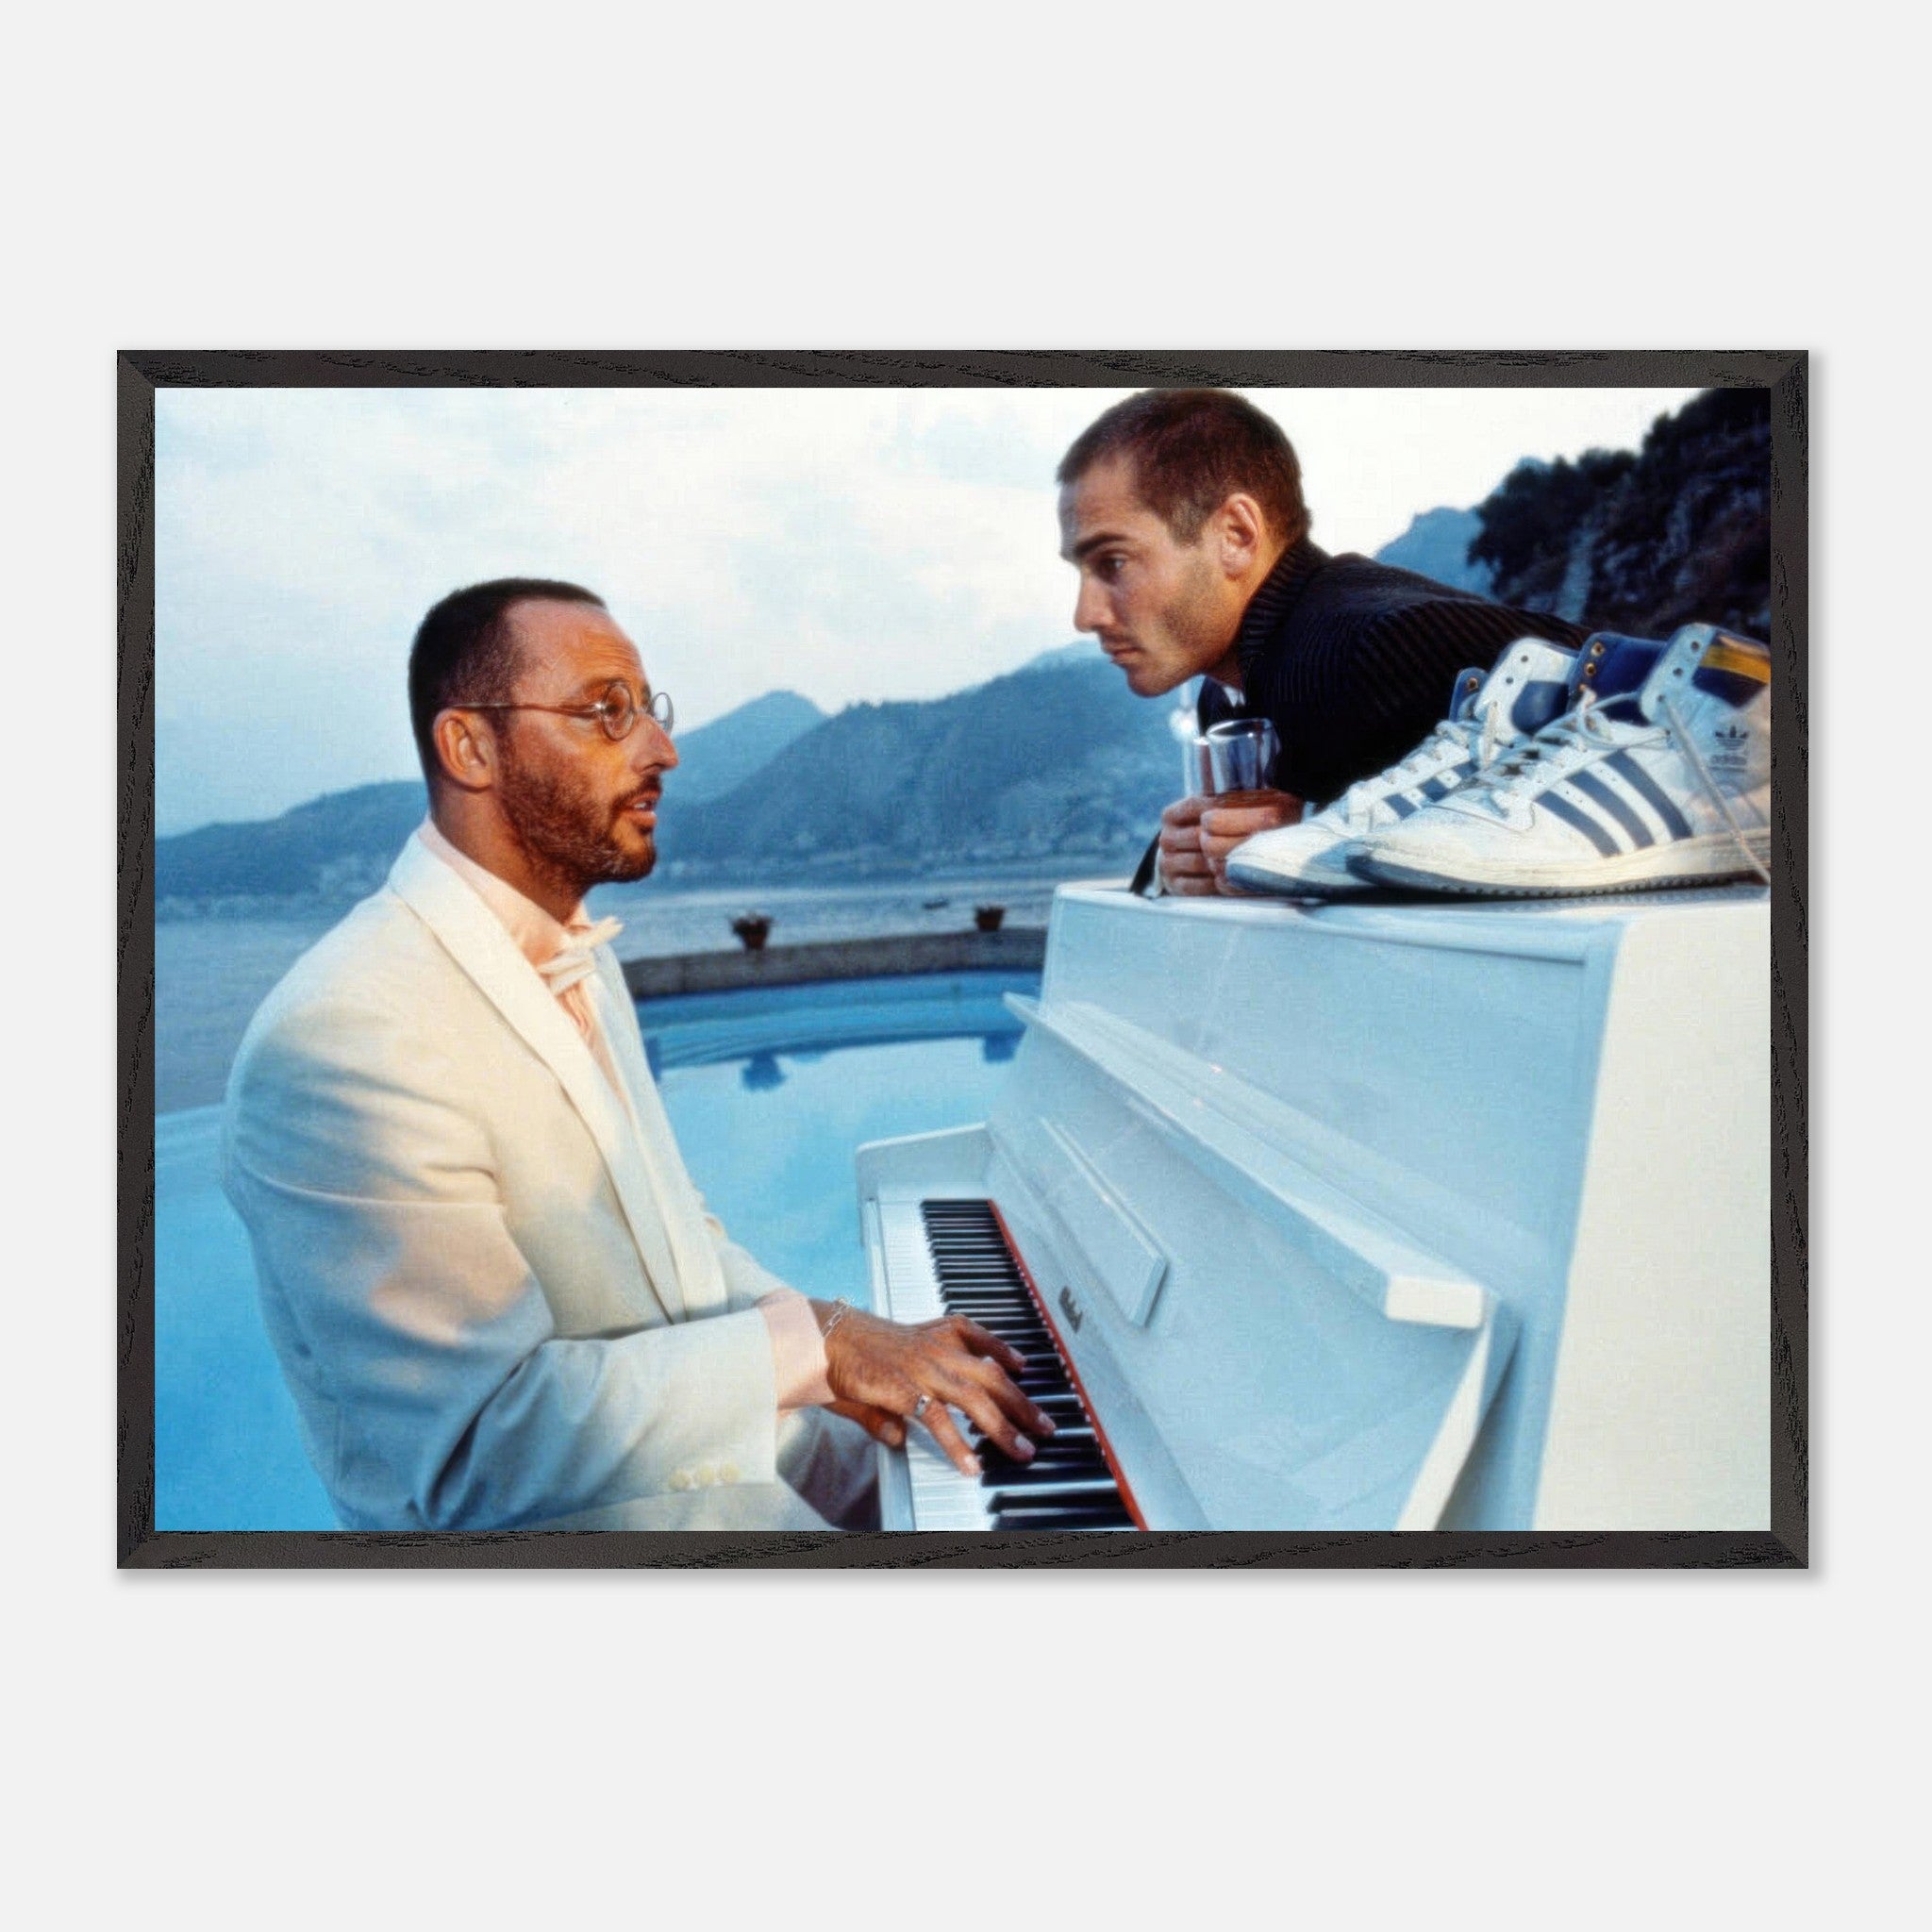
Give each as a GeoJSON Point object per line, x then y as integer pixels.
{"type": "Point", "coordinates": [337, 847]}
{"type": "Point", "coordinates": [1058, 760]}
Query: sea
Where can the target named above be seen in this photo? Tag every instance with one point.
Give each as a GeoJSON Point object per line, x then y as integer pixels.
{"type": "Point", "coordinates": [211, 974]}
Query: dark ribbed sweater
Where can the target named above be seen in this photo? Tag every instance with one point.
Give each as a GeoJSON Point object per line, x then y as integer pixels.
{"type": "Point", "coordinates": [1355, 663]}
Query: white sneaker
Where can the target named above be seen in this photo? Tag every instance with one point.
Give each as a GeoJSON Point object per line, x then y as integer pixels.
{"type": "Point", "coordinates": [1666, 781]}
{"type": "Point", "coordinates": [1529, 685]}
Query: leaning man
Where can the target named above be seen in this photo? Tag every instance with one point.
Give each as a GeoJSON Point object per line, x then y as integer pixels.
{"type": "Point", "coordinates": [1182, 510]}
{"type": "Point", "coordinates": [494, 1290]}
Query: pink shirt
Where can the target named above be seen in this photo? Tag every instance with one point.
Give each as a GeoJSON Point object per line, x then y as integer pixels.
{"type": "Point", "coordinates": [562, 953]}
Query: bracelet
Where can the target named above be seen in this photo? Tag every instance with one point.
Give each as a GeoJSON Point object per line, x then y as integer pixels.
{"type": "Point", "coordinates": [839, 1310]}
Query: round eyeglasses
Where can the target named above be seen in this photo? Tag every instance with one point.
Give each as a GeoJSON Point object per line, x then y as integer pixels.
{"type": "Point", "coordinates": [615, 708]}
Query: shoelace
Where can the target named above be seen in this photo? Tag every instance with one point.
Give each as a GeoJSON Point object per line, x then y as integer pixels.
{"type": "Point", "coordinates": [1491, 738]}
{"type": "Point", "coordinates": [1357, 804]}
{"type": "Point", "coordinates": [1579, 726]}
{"type": "Point", "coordinates": [1710, 786]}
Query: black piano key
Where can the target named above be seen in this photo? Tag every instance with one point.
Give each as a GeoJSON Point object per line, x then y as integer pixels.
{"type": "Point", "coordinates": [1037, 1504]}
{"type": "Point", "coordinates": [1045, 1475]}
{"type": "Point", "coordinates": [1061, 1519]}
{"type": "Point", "coordinates": [1072, 1436]}
{"type": "Point", "coordinates": [1087, 1479]}
{"type": "Point", "coordinates": [1052, 1512]}
{"type": "Point", "coordinates": [1044, 1502]}
{"type": "Point", "coordinates": [1084, 1494]}
{"type": "Point", "coordinates": [1048, 1455]}
{"type": "Point", "coordinates": [1067, 1441]}
{"type": "Point", "coordinates": [1070, 1426]}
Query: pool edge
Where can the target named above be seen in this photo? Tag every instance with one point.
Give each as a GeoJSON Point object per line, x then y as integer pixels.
{"type": "Point", "coordinates": [1011, 948]}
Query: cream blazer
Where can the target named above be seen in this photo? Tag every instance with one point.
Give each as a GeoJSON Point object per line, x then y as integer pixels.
{"type": "Point", "coordinates": [498, 1299]}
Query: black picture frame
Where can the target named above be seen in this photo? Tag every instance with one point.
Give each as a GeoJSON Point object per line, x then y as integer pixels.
{"type": "Point", "coordinates": [141, 373]}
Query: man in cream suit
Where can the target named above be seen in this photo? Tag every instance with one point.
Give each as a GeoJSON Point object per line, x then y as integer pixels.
{"type": "Point", "coordinates": [493, 1288]}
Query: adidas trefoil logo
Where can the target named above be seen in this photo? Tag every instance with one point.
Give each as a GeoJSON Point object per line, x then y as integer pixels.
{"type": "Point", "coordinates": [1730, 746]}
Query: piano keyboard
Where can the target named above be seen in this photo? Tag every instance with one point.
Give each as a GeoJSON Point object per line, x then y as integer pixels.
{"type": "Point", "coordinates": [951, 1258]}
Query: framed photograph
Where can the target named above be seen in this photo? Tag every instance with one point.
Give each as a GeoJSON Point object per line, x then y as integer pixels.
{"type": "Point", "coordinates": [1259, 897]}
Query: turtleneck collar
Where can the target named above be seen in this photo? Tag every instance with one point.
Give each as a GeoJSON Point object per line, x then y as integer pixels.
{"type": "Point", "coordinates": [1277, 594]}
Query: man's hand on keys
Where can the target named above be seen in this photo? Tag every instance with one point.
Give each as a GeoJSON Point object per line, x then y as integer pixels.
{"type": "Point", "coordinates": [924, 1371]}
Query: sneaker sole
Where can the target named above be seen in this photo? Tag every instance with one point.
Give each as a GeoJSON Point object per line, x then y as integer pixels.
{"type": "Point", "coordinates": [1254, 878]}
{"type": "Point", "coordinates": [1688, 862]}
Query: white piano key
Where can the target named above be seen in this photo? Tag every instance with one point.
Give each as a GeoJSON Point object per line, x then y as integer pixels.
{"type": "Point", "coordinates": [942, 1498]}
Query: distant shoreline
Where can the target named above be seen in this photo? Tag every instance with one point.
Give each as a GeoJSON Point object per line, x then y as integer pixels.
{"type": "Point", "coordinates": [309, 908]}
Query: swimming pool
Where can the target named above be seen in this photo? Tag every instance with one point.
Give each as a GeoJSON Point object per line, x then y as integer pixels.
{"type": "Point", "coordinates": [770, 1091]}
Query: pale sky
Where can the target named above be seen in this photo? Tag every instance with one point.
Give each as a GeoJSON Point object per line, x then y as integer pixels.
{"type": "Point", "coordinates": [851, 544]}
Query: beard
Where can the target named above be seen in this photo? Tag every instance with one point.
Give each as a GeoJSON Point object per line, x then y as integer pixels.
{"type": "Point", "coordinates": [566, 831]}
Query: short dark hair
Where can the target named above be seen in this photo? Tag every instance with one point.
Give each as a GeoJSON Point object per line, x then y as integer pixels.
{"type": "Point", "coordinates": [1191, 449]}
{"type": "Point", "coordinates": [465, 651]}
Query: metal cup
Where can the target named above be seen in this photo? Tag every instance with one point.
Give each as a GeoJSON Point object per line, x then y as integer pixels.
{"type": "Point", "coordinates": [1240, 755]}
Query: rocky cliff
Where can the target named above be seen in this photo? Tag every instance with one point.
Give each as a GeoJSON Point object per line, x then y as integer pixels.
{"type": "Point", "coordinates": [1678, 532]}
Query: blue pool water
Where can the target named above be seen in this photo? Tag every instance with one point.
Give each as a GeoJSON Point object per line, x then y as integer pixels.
{"type": "Point", "coordinates": [771, 1092]}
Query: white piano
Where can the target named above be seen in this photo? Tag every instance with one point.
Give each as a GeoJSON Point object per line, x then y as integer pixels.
{"type": "Point", "coordinates": [1355, 1217]}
